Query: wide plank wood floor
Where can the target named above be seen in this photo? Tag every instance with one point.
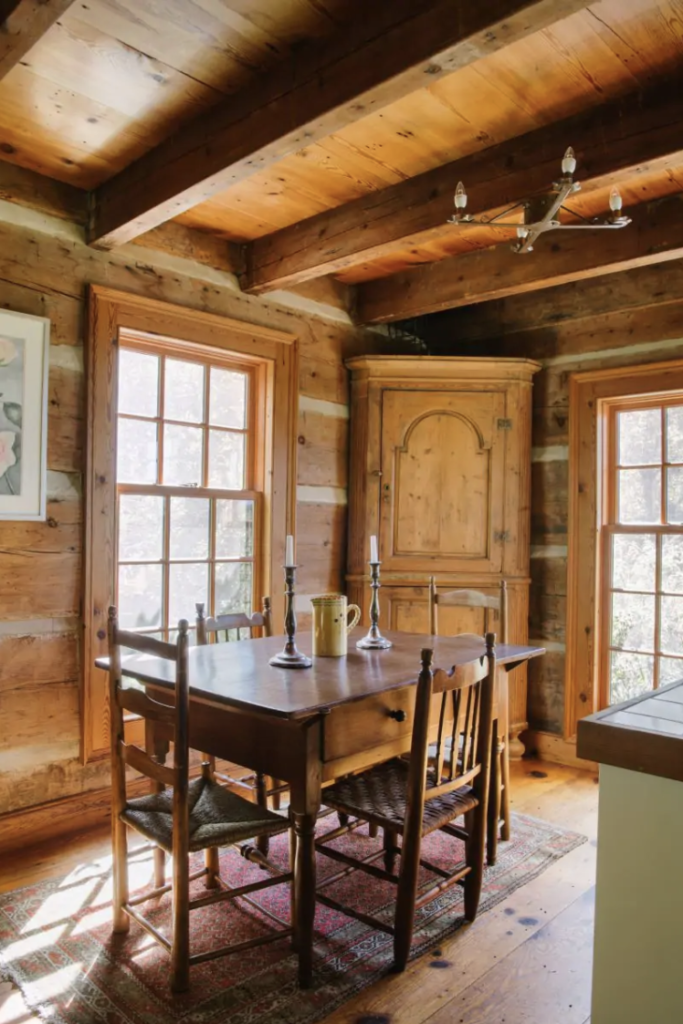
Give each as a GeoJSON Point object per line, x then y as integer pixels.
{"type": "Point", "coordinates": [527, 961]}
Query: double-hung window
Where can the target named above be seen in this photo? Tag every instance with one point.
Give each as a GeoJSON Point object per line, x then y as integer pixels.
{"type": "Point", "coordinates": [188, 511]}
{"type": "Point", "coordinates": [642, 543]}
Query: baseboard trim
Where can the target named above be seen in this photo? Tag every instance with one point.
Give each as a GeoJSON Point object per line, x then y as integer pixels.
{"type": "Point", "coordinates": [549, 746]}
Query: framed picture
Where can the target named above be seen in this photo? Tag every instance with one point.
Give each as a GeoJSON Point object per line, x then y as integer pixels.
{"type": "Point", "coordinates": [24, 364]}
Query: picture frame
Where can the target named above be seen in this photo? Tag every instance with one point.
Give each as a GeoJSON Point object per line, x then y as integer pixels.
{"type": "Point", "coordinates": [24, 368]}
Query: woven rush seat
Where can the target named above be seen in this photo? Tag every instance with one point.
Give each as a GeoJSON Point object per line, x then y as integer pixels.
{"type": "Point", "coordinates": [217, 817]}
{"type": "Point", "coordinates": [379, 795]}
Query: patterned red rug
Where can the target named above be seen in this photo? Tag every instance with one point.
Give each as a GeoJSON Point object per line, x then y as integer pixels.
{"type": "Point", "coordinates": [56, 942]}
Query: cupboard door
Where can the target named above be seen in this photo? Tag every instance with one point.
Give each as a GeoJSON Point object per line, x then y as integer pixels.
{"type": "Point", "coordinates": [442, 484]}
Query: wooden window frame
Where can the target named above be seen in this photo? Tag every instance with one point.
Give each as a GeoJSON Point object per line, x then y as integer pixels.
{"type": "Point", "coordinates": [274, 356]}
{"type": "Point", "coordinates": [588, 391]}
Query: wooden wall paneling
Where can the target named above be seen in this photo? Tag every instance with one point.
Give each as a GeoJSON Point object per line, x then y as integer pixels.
{"type": "Point", "coordinates": [655, 235]}
{"type": "Point", "coordinates": [66, 428]}
{"type": "Point", "coordinates": [320, 547]}
{"type": "Point", "coordinates": [378, 59]}
{"type": "Point", "coordinates": [23, 24]}
{"type": "Point", "coordinates": [612, 142]}
{"type": "Point", "coordinates": [323, 450]}
{"type": "Point", "coordinates": [46, 658]}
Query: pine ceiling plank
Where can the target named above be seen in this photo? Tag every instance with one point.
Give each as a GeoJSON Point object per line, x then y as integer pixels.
{"type": "Point", "coordinates": [631, 136]}
{"type": "Point", "coordinates": [656, 235]}
{"type": "Point", "coordinates": [387, 54]}
{"type": "Point", "coordinates": [22, 25]}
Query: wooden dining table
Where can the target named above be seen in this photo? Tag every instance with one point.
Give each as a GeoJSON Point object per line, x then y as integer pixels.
{"type": "Point", "coordinates": [308, 726]}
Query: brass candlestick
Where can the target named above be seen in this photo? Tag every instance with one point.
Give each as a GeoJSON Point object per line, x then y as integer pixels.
{"type": "Point", "coordinates": [290, 656]}
{"type": "Point", "coordinates": [374, 641]}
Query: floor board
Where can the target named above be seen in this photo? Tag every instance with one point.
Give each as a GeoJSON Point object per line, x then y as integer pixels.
{"type": "Point", "coordinates": [526, 961]}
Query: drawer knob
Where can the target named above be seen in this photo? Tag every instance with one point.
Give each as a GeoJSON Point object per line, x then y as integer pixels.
{"type": "Point", "coordinates": [400, 716]}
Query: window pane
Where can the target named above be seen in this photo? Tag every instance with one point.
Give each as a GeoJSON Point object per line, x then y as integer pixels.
{"type": "Point", "coordinates": [672, 564]}
{"type": "Point", "coordinates": [183, 455]}
{"type": "Point", "coordinates": [140, 596]}
{"type": "Point", "coordinates": [226, 460]}
{"type": "Point", "coordinates": [188, 586]}
{"type": "Point", "coordinates": [672, 625]}
{"type": "Point", "coordinates": [633, 622]}
{"type": "Point", "coordinates": [184, 391]}
{"type": "Point", "coordinates": [189, 528]}
{"type": "Point", "coordinates": [674, 434]}
{"type": "Point", "coordinates": [634, 561]}
{"type": "Point", "coordinates": [640, 437]}
{"type": "Point", "coordinates": [233, 587]}
{"type": "Point", "coordinates": [639, 498]}
{"type": "Point", "coordinates": [141, 528]}
{"type": "Point", "coordinates": [136, 452]}
{"type": "Point", "coordinates": [138, 383]}
{"type": "Point", "coordinates": [228, 398]}
{"type": "Point", "coordinates": [234, 529]}
{"type": "Point", "coordinates": [674, 495]}
{"type": "Point", "coordinates": [630, 675]}
{"type": "Point", "coordinates": [670, 670]}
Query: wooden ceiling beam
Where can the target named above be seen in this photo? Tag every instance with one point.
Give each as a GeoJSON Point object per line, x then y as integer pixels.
{"type": "Point", "coordinates": [559, 257]}
{"type": "Point", "coordinates": [24, 187]}
{"type": "Point", "coordinates": [640, 132]}
{"type": "Point", "coordinates": [395, 48]}
{"type": "Point", "coordinates": [22, 24]}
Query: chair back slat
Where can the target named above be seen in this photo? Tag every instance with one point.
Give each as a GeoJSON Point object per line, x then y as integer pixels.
{"type": "Point", "coordinates": [470, 599]}
{"type": "Point", "coordinates": [217, 628]}
{"type": "Point", "coordinates": [139, 703]}
{"type": "Point", "coordinates": [141, 761]}
{"type": "Point", "coordinates": [144, 644]}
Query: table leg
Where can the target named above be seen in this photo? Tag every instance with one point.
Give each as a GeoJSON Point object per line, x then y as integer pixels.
{"type": "Point", "coordinates": [304, 893]}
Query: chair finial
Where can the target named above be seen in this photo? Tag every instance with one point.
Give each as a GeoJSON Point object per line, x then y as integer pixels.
{"type": "Point", "coordinates": [427, 658]}
{"type": "Point", "coordinates": [490, 642]}
{"type": "Point", "coordinates": [183, 627]}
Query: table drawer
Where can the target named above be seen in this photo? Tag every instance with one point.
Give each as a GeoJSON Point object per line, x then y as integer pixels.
{"type": "Point", "coordinates": [370, 722]}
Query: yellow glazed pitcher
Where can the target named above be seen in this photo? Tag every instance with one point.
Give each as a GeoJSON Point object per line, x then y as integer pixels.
{"type": "Point", "coordinates": [331, 625]}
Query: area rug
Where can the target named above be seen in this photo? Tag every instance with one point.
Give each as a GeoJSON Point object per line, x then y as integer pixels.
{"type": "Point", "coordinates": [56, 942]}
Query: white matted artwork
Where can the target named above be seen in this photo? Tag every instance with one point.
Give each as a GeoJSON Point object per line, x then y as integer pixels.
{"type": "Point", "coordinates": [24, 361]}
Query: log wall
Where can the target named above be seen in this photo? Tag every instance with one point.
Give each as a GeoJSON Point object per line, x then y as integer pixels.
{"type": "Point", "coordinates": [620, 320]}
{"type": "Point", "coordinates": [45, 268]}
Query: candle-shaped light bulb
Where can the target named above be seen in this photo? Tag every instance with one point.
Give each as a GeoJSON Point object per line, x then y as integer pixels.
{"type": "Point", "coordinates": [289, 552]}
{"type": "Point", "coordinates": [374, 556]}
{"type": "Point", "coordinates": [522, 231]}
{"type": "Point", "coordinates": [460, 197]}
{"type": "Point", "coordinates": [615, 200]}
{"type": "Point", "coordinates": [569, 161]}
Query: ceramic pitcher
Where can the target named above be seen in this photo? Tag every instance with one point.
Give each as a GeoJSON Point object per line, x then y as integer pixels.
{"type": "Point", "coordinates": [331, 625]}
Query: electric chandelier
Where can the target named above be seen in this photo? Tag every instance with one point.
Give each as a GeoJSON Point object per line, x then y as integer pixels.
{"type": "Point", "coordinates": [540, 211]}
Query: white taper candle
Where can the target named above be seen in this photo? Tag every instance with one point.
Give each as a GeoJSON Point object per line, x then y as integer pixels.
{"type": "Point", "coordinates": [374, 557]}
{"type": "Point", "coordinates": [289, 552]}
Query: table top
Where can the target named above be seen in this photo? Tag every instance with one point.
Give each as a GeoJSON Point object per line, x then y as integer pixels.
{"type": "Point", "coordinates": [644, 734]}
{"type": "Point", "coordinates": [238, 674]}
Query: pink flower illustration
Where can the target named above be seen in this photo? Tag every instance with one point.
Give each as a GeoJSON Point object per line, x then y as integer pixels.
{"type": "Point", "coordinates": [8, 351]}
{"type": "Point", "coordinates": [7, 456]}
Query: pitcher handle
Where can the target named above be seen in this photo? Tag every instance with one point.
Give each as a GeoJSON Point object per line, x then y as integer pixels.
{"type": "Point", "coordinates": [356, 617]}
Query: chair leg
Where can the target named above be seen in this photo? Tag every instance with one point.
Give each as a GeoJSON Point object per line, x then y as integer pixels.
{"type": "Point", "coordinates": [263, 842]}
{"type": "Point", "coordinates": [505, 813]}
{"type": "Point", "coordinates": [213, 867]}
{"type": "Point", "coordinates": [495, 786]}
{"type": "Point", "coordinates": [405, 907]}
{"type": "Point", "coordinates": [275, 798]}
{"type": "Point", "coordinates": [180, 948]}
{"type": "Point", "coordinates": [292, 887]}
{"type": "Point", "coordinates": [343, 819]}
{"type": "Point", "coordinates": [373, 830]}
{"type": "Point", "coordinates": [476, 826]}
{"type": "Point", "coordinates": [121, 922]}
{"type": "Point", "coordinates": [390, 842]}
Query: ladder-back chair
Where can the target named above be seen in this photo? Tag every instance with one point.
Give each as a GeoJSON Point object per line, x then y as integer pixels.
{"type": "Point", "coordinates": [413, 797]}
{"type": "Point", "coordinates": [494, 605]}
{"type": "Point", "coordinates": [179, 816]}
{"type": "Point", "coordinates": [229, 628]}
